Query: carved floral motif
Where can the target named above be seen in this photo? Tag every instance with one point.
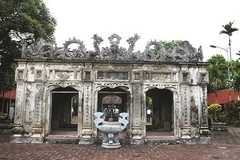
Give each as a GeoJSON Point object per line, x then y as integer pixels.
{"type": "Point", "coordinates": [63, 75]}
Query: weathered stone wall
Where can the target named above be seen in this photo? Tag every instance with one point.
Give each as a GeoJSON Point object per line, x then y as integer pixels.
{"type": "Point", "coordinates": [45, 67]}
{"type": "Point", "coordinates": [35, 80]}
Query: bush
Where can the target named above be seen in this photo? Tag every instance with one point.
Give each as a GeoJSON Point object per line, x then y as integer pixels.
{"type": "Point", "coordinates": [214, 111]}
{"type": "Point", "coordinates": [232, 112]}
{"type": "Point", "coordinates": [222, 117]}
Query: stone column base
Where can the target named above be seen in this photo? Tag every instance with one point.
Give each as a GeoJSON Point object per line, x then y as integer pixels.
{"type": "Point", "coordinates": [86, 137]}
{"type": "Point", "coordinates": [136, 141]}
{"type": "Point", "coordinates": [137, 133]}
{"type": "Point", "coordinates": [186, 132]}
{"type": "Point", "coordinates": [86, 141]}
{"type": "Point", "coordinates": [18, 138]}
{"type": "Point", "coordinates": [204, 131]}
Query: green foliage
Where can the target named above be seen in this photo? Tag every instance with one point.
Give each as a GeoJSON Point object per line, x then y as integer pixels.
{"type": "Point", "coordinates": [7, 80]}
{"type": "Point", "coordinates": [218, 73]}
{"type": "Point", "coordinates": [149, 102]}
{"type": "Point", "coordinates": [167, 45]}
{"type": "Point", "coordinates": [228, 29]}
{"type": "Point", "coordinates": [21, 21]}
{"type": "Point", "coordinates": [3, 115]}
{"type": "Point", "coordinates": [232, 112]}
{"type": "Point", "coordinates": [236, 75]}
{"type": "Point", "coordinates": [229, 112]}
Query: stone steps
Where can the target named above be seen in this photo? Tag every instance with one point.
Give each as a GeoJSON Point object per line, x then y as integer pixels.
{"type": "Point", "coordinates": [165, 140]}
{"type": "Point", "coordinates": [62, 139]}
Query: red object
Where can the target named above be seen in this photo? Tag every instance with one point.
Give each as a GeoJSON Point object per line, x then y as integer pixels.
{"type": "Point", "coordinates": [223, 96]}
{"type": "Point", "coordinates": [8, 95]}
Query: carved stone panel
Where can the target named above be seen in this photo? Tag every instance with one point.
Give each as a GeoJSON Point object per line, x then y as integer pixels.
{"type": "Point", "coordinates": [112, 75]}
{"type": "Point", "coordinates": [186, 104]}
{"type": "Point", "coordinates": [87, 75]}
{"type": "Point", "coordinates": [19, 100]}
{"type": "Point", "coordinates": [137, 105]}
{"type": "Point", "coordinates": [203, 78]}
{"type": "Point", "coordinates": [38, 104]}
{"type": "Point", "coordinates": [39, 75]}
{"type": "Point", "coordinates": [29, 103]}
{"type": "Point", "coordinates": [164, 77]}
{"type": "Point", "coordinates": [204, 106]}
{"type": "Point", "coordinates": [185, 77]}
{"type": "Point", "coordinates": [137, 76]}
{"type": "Point", "coordinates": [20, 74]}
{"type": "Point", "coordinates": [146, 76]}
{"type": "Point", "coordinates": [87, 105]}
{"type": "Point", "coordinates": [63, 75]}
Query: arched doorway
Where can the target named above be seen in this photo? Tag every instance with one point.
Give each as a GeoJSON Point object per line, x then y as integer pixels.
{"type": "Point", "coordinates": [64, 111]}
{"type": "Point", "coordinates": [114, 100]}
{"type": "Point", "coordinates": [159, 103]}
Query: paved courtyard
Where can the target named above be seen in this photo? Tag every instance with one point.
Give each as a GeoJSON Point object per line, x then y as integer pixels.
{"type": "Point", "coordinates": [224, 147]}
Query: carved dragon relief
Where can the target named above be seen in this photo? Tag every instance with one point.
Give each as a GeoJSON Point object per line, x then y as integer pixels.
{"type": "Point", "coordinates": [180, 53]}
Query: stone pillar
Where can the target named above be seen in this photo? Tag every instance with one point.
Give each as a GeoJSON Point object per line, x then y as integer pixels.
{"type": "Point", "coordinates": [185, 92]}
{"type": "Point", "coordinates": [87, 131]}
{"type": "Point", "coordinates": [18, 118]}
{"type": "Point", "coordinates": [37, 112]}
{"type": "Point", "coordinates": [20, 77]}
{"type": "Point", "coordinates": [203, 81]}
{"type": "Point", "coordinates": [204, 130]}
{"type": "Point", "coordinates": [194, 111]}
{"type": "Point", "coordinates": [176, 114]}
{"type": "Point", "coordinates": [136, 115]}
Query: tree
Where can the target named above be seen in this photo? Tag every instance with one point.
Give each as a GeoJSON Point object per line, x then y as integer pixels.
{"type": "Point", "coordinates": [218, 74]}
{"type": "Point", "coordinates": [236, 76]}
{"type": "Point", "coordinates": [229, 29]}
{"type": "Point", "coordinates": [21, 21]}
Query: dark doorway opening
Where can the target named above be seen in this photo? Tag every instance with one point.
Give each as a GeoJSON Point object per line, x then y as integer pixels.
{"type": "Point", "coordinates": [159, 112]}
{"type": "Point", "coordinates": [64, 115]}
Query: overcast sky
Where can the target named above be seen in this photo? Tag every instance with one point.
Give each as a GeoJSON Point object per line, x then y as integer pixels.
{"type": "Point", "coordinates": [198, 21]}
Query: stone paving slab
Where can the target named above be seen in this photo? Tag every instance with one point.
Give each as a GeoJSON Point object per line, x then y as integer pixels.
{"type": "Point", "coordinates": [127, 152]}
{"type": "Point", "coordinates": [224, 147]}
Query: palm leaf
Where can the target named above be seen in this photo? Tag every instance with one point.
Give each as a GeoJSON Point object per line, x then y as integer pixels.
{"type": "Point", "coordinates": [223, 32]}
{"type": "Point", "coordinates": [228, 29]}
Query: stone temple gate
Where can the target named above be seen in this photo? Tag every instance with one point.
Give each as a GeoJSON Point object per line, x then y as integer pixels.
{"type": "Point", "coordinates": [59, 89]}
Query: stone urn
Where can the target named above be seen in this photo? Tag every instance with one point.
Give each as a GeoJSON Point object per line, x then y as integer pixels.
{"type": "Point", "coordinates": [111, 130]}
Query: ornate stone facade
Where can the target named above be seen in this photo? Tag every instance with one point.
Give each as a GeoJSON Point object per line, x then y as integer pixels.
{"type": "Point", "coordinates": [46, 72]}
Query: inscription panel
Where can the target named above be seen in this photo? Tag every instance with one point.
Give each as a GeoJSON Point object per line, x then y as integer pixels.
{"type": "Point", "coordinates": [136, 104]}
{"type": "Point", "coordinates": [166, 77]}
{"type": "Point", "coordinates": [87, 106]}
{"type": "Point", "coordinates": [112, 75]}
{"type": "Point", "coordinates": [186, 107]}
{"type": "Point", "coordinates": [19, 100]}
{"type": "Point", "coordinates": [37, 110]}
{"type": "Point", "coordinates": [204, 106]}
